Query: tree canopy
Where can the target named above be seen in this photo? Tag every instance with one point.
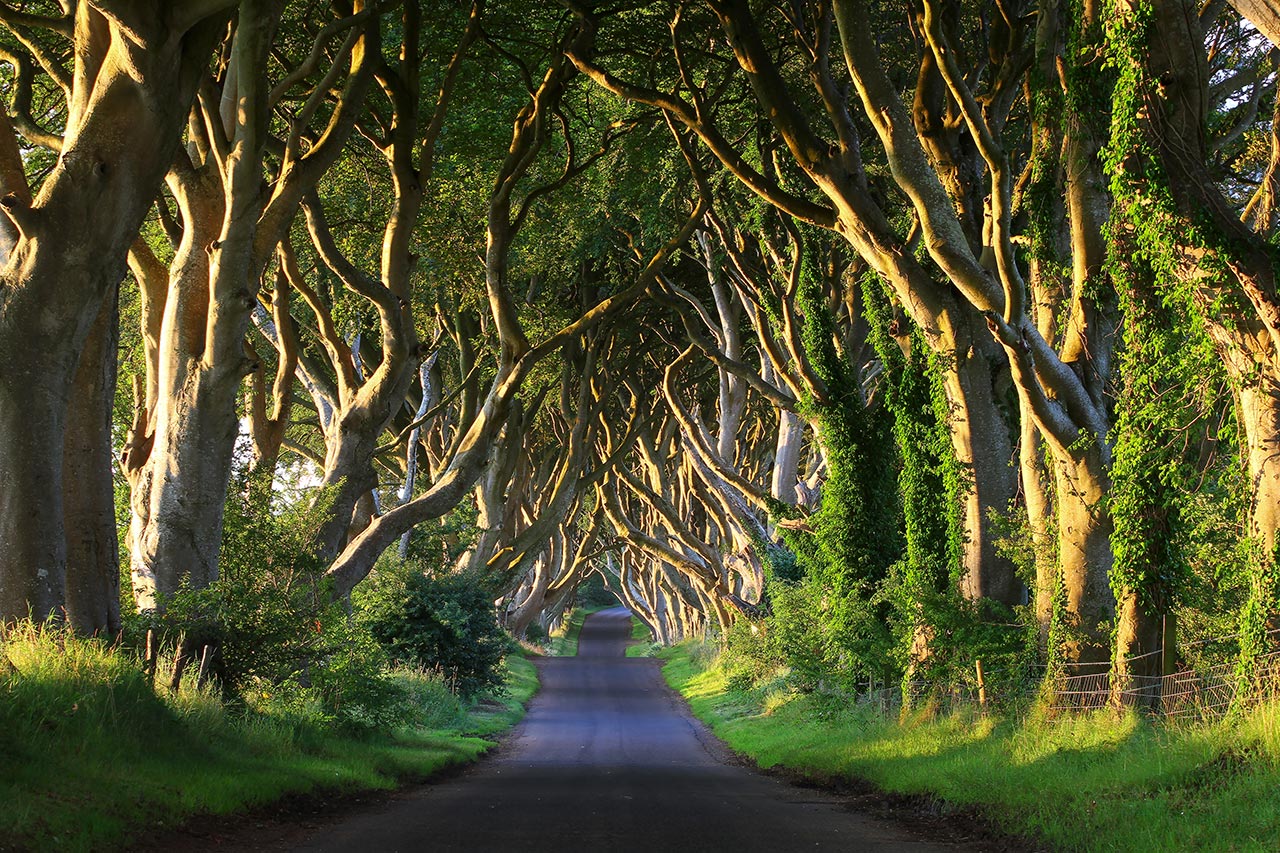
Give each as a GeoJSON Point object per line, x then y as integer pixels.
{"type": "Point", "coordinates": [911, 333]}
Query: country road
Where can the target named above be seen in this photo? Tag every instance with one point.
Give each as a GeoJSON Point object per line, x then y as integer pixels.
{"type": "Point", "coordinates": [608, 759]}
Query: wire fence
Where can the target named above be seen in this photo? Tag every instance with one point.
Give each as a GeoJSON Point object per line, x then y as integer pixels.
{"type": "Point", "coordinates": [1205, 690]}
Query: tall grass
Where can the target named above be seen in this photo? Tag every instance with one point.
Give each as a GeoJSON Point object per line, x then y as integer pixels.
{"type": "Point", "coordinates": [1100, 782]}
{"type": "Point", "coordinates": [91, 753]}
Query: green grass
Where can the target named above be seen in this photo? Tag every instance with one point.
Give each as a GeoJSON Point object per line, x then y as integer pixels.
{"type": "Point", "coordinates": [564, 641]}
{"type": "Point", "coordinates": [92, 755]}
{"type": "Point", "coordinates": [1093, 783]}
{"type": "Point", "coordinates": [641, 645]}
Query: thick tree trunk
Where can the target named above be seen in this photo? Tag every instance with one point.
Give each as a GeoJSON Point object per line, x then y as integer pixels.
{"type": "Point", "coordinates": [1139, 641]}
{"type": "Point", "coordinates": [180, 541]}
{"type": "Point", "coordinates": [1035, 493]}
{"type": "Point", "coordinates": [348, 471]}
{"type": "Point", "coordinates": [1259, 407]}
{"type": "Point", "coordinates": [534, 600]}
{"type": "Point", "coordinates": [128, 105]}
{"type": "Point", "coordinates": [88, 490]}
{"type": "Point", "coordinates": [34, 388]}
{"type": "Point", "coordinates": [1260, 418]}
{"type": "Point", "coordinates": [179, 492]}
{"type": "Point", "coordinates": [980, 440]}
{"type": "Point", "coordinates": [1084, 545]}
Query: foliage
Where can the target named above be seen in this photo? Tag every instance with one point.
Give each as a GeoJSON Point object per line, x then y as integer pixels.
{"type": "Point", "coordinates": [563, 640]}
{"type": "Point", "coordinates": [1098, 782]}
{"type": "Point", "coordinates": [438, 544]}
{"type": "Point", "coordinates": [930, 615]}
{"type": "Point", "coordinates": [1174, 381]}
{"type": "Point", "coordinates": [592, 592]}
{"type": "Point", "coordinates": [267, 630]}
{"type": "Point", "coordinates": [753, 654]}
{"type": "Point", "coordinates": [444, 624]}
{"type": "Point", "coordinates": [78, 716]}
{"type": "Point", "coordinates": [839, 631]}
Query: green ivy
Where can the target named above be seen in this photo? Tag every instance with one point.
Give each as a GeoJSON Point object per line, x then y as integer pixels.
{"type": "Point", "coordinates": [929, 478]}
{"type": "Point", "coordinates": [1171, 375]}
{"type": "Point", "coordinates": [855, 536]}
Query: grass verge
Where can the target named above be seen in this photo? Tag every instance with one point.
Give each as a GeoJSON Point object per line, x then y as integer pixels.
{"type": "Point", "coordinates": [1093, 783]}
{"type": "Point", "coordinates": [93, 755]}
{"type": "Point", "coordinates": [641, 645]}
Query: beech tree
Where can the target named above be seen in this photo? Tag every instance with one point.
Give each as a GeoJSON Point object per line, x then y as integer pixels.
{"type": "Point", "coordinates": [851, 322]}
{"type": "Point", "coordinates": [179, 458]}
{"type": "Point", "coordinates": [129, 72]}
{"type": "Point", "coordinates": [1181, 219]}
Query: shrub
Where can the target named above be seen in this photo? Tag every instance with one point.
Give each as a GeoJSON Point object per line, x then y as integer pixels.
{"type": "Point", "coordinates": [751, 654]}
{"type": "Point", "coordinates": [441, 624]}
{"type": "Point", "coordinates": [279, 643]}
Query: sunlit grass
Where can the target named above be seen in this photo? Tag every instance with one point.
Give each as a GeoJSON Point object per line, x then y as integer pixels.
{"type": "Point", "coordinates": [641, 645]}
{"type": "Point", "coordinates": [1099, 782]}
{"type": "Point", "coordinates": [92, 754]}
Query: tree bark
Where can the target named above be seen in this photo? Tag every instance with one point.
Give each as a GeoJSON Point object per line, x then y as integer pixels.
{"type": "Point", "coordinates": [88, 490]}
{"type": "Point", "coordinates": [128, 105]}
{"type": "Point", "coordinates": [980, 440]}
{"type": "Point", "coordinates": [1085, 558]}
{"type": "Point", "coordinates": [177, 531]}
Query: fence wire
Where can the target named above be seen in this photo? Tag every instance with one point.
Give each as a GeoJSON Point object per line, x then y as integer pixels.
{"type": "Point", "coordinates": [1205, 691]}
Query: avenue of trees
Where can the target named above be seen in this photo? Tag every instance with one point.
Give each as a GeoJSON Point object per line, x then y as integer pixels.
{"type": "Point", "coordinates": [879, 337]}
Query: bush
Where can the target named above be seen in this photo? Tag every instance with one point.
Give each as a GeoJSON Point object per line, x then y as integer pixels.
{"type": "Point", "coordinates": [279, 644]}
{"type": "Point", "coordinates": [445, 625]}
{"type": "Point", "coordinates": [752, 656]}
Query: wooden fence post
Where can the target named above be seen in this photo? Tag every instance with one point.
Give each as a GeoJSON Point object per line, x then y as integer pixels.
{"type": "Point", "coordinates": [1169, 647]}
{"type": "Point", "coordinates": [149, 662]}
{"type": "Point", "coordinates": [982, 685]}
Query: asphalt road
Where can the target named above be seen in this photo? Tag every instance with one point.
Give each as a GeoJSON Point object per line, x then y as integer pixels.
{"type": "Point", "coordinates": [608, 759]}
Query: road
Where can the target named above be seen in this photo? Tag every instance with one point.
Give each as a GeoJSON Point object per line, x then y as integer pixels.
{"type": "Point", "coordinates": [609, 759]}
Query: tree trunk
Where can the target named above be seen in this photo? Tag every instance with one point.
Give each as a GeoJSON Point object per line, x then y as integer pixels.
{"type": "Point", "coordinates": [1139, 641]}
{"type": "Point", "coordinates": [1040, 518]}
{"type": "Point", "coordinates": [88, 490]}
{"type": "Point", "coordinates": [1084, 545]}
{"type": "Point", "coordinates": [348, 471]}
{"type": "Point", "coordinates": [33, 549]}
{"type": "Point", "coordinates": [980, 440]}
{"type": "Point", "coordinates": [182, 535]}
{"type": "Point", "coordinates": [128, 106]}
{"type": "Point", "coordinates": [533, 602]}
{"type": "Point", "coordinates": [176, 522]}
{"type": "Point", "coordinates": [197, 423]}
{"type": "Point", "coordinates": [786, 460]}
{"type": "Point", "coordinates": [1259, 408]}
{"type": "Point", "coordinates": [1259, 405]}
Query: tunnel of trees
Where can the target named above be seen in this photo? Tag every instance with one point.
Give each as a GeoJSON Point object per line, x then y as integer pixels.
{"type": "Point", "coordinates": [899, 335]}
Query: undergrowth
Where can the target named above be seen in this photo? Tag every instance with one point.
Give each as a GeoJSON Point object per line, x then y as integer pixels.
{"type": "Point", "coordinates": [93, 752]}
{"type": "Point", "coordinates": [1098, 782]}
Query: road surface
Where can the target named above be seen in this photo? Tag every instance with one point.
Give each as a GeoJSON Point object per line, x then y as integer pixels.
{"type": "Point", "coordinates": [608, 759]}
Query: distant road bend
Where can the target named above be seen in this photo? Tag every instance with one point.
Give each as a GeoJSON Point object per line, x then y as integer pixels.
{"type": "Point", "coordinates": [608, 759]}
